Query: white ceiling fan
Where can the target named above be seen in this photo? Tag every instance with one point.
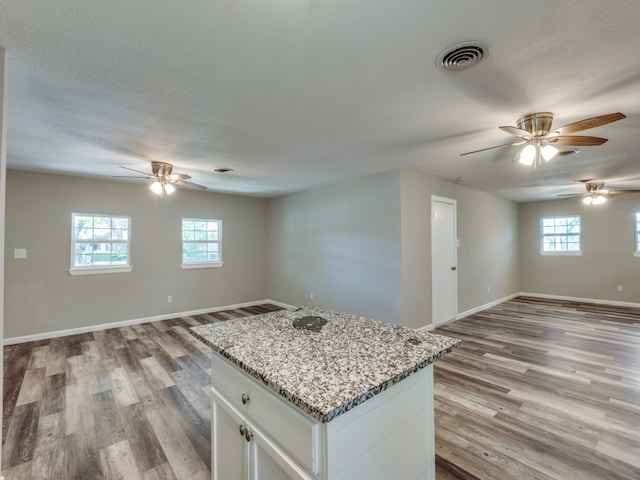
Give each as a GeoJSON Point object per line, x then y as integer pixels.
{"type": "Point", "coordinates": [540, 140]}
{"type": "Point", "coordinates": [164, 180]}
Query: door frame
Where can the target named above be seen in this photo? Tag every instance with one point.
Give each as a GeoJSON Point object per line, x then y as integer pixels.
{"type": "Point", "coordinates": [454, 204]}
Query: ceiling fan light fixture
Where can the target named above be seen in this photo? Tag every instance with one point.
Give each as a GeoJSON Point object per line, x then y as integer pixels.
{"type": "Point", "coordinates": [156, 187]}
{"type": "Point", "coordinates": [548, 152]}
{"type": "Point", "coordinates": [594, 200]}
{"type": "Point", "coordinates": [169, 189]}
{"type": "Point", "coordinates": [527, 155]}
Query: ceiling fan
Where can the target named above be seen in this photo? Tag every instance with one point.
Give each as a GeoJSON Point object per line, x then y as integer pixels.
{"type": "Point", "coordinates": [596, 193]}
{"type": "Point", "coordinates": [534, 130]}
{"type": "Point", "coordinates": [164, 180]}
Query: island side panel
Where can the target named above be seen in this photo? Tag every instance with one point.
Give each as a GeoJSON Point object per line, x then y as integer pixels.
{"type": "Point", "coordinates": [389, 436]}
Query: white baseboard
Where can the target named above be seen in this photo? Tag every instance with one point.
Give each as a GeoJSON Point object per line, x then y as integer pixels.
{"type": "Point", "coordinates": [486, 305]}
{"type": "Point", "coordinates": [600, 301]}
{"type": "Point", "coordinates": [136, 321]}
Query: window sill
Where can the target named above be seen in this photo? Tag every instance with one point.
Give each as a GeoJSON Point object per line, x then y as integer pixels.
{"type": "Point", "coordinates": [98, 271]}
{"type": "Point", "coordinates": [636, 254]}
{"type": "Point", "coordinates": [562, 254]}
{"type": "Point", "coordinates": [188, 266]}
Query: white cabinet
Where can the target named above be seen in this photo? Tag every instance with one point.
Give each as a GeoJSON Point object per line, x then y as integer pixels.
{"type": "Point", "coordinates": [257, 435]}
{"type": "Point", "coordinates": [241, 451]}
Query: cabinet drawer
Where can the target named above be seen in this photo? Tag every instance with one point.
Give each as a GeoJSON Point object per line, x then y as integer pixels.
{"type": "Point", "coordinates": [289, 428]}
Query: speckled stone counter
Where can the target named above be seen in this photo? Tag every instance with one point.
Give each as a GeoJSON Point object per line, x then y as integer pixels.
{"type": "Point", "coordinates": [328, 372]}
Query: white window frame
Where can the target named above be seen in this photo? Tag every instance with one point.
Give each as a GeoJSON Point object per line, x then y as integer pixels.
{"type": "Point", "coordinates": [202, 264]}
{"type": "Point", "coordinates": [99, 269]}
{"type": "Point", "coordinates": [559, 252]}
{"type": "Point", "coordinates": [637, 235]}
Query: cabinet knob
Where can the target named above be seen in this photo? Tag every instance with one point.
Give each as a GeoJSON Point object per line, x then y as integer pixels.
{"type": "Point", "coordinates": [244, 398]}
{"type": "Point", "coordinates": [248, 435]}
{"type": "Point", "coordinates": [242, 430]}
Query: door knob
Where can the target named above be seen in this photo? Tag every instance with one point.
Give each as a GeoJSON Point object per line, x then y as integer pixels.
{"type": "Point", "coordinates": [454, 268]}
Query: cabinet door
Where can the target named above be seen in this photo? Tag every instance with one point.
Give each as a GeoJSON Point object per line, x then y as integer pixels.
{"type": "Point", "coordinates": [229, 449]}
{"type": "Point", "coordinates": [268, 462]}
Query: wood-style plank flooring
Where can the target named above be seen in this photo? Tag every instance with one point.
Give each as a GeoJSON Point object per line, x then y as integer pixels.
{"type": "Point", "coordinates": [540, 389]}
{"type": "Point", "coordinates": [129, 403]}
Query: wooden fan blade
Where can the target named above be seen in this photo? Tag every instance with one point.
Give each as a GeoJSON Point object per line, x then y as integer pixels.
{"type": "Point", "coordinates": [497, 146]}
{"type": "Point", "coordinates": [189, 184]}
{"type": "Point", "coordinates": [576, 140]}
{"type": "Point", "coordinates": [618, 192]}
{"type": "Point", "coordinates": [179, 176]}
{"type": "Point", "coordinates": [137, 171]}
{"type": "Point", "coordinates": [589, 123]}
{"type": "Point", "coordinates": [518, 132]}
{"type": "Point", "coordinates": [131, 176]}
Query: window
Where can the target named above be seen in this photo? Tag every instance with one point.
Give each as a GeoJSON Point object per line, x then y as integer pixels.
{"type": "Point", "coordinates": [99, 243]}
{"type": "Point", "coordinates": [201, 243]}
{"type": "Point", "coordinates": [637, 252]}
{"type": "Point", "coordinates": [560, 235]}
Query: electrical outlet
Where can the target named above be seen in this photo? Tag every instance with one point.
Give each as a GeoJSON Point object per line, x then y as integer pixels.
{"type": "Point", "coordinates": [20, 253]}
{"type": "Point", "coordinates": [488, 289]}
{"type": "Point", "coordinates": [169, 299]}
{"type": "Point", "coordinates": [311, 296]}
{"type": "Point", "coordinates": [619, 288]}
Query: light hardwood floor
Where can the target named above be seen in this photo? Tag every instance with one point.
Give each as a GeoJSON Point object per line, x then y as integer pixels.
{"type": "Point", "coordinates": [538, 390]}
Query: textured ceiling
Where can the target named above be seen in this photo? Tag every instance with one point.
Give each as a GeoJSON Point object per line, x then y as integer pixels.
{"type": "Point", "coordinates": [297, 93]}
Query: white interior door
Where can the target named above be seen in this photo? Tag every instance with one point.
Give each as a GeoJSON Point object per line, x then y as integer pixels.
{"type": "Point", "coordinates": [444, 256]}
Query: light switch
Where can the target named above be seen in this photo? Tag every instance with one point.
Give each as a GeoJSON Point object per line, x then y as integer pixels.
{"type": "Point", "coordinates": [19, 253]}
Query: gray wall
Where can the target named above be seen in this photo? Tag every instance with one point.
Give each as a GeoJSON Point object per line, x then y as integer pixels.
{"type": "Point", "coordinates": [488, 252]}
{"type": "Point", "coordinates": [341, 243]}
{"type": "Point", "coordinates": [42, 297]}
{"type": "Point", "coordinates": [607, 245]}
{"type": "Point", "coordinates": [364, 246]}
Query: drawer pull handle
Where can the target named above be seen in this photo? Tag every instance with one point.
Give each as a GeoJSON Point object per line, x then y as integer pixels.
{"type": "Point", "coordinates": [245, 398]}
{"type": "Point", "coordinates": [243, 430]}
{"type": "Point", "coordinates": [248, 435]}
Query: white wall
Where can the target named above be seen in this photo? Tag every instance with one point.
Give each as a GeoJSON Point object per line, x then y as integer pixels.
{"type": "Point", "coordinates": [608, 233]}
{"type": "Point", "coordinates": [341, 243]}
{"type": "Point", "coordinates": [42, 297]}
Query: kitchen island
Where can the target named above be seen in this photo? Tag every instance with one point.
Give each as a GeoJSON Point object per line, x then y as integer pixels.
{"type": "Point", "coordinates": [311, 393]}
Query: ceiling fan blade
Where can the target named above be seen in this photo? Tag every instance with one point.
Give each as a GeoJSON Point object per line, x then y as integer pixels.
{"type": "Point", "coordinates": [618, 192]}
{"type": "Point", "coordinates": [518, 132]}
{"type": "Point", "coordinates": [188, 184]}
{"type": "Point", "coordinates": [497, 146]}
{"type": "Point", "coordinates": [571, 195]}
{"type": "Point", "coordinates": [131, 176]}
{"type": "Point", "coordinates": [133, 170]}
{"type": "Point", "coordinates": [179, 176]}
{"type": "Point", "coordinates": [578, 141]}
{"type": "Point", "coordinates": [589, 123]}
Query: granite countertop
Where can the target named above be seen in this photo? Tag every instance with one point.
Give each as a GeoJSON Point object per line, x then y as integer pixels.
{"type": "Point", "coordinates": [326, 372]}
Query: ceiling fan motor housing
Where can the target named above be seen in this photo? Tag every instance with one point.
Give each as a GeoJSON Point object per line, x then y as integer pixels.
{"type": "Point", "coordinates": [537, 124]}
{"type": "Point", "coordinates": [594, 186]}
{"type": "Point", "coordinates": [161, 169]}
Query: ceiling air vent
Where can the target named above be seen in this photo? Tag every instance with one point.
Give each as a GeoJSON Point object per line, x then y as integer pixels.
{"type": "Point", "coordinates": [463, 56]}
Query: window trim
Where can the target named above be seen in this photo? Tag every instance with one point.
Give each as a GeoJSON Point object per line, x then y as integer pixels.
{"type": "Point", "coordinates": [636, 232]}
{"type": "Point", "coordinates": [196, 265]}
{"type": "Point", "coordinates": [93, 269]}
{"type": "Point", "coordinates": [559, 253]}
